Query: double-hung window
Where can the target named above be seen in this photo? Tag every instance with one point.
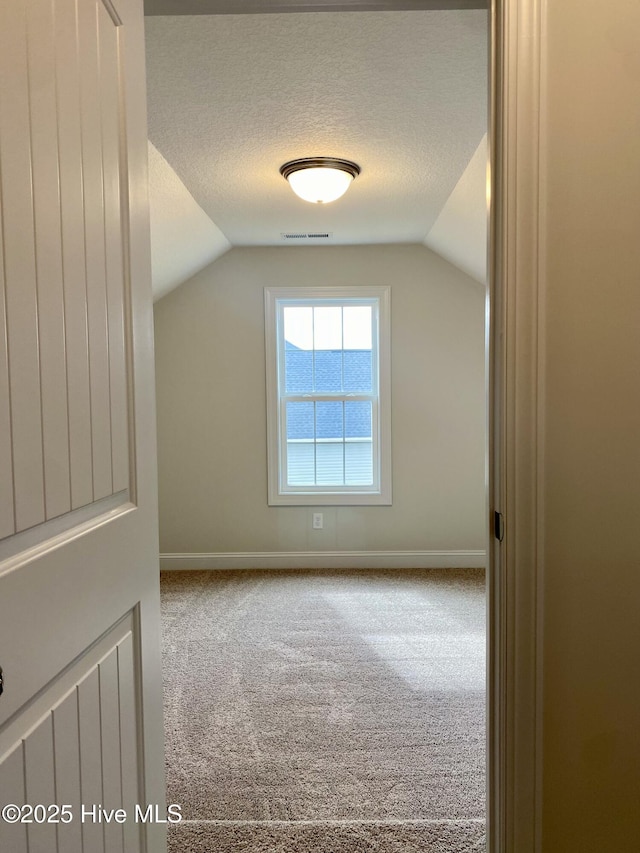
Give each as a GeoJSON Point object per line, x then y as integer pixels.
{"type": "Point", "coordinates": [328, 395]}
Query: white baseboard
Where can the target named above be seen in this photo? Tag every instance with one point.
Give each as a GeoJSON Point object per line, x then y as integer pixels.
{"type": "Point", "coordinates": [326, 560]}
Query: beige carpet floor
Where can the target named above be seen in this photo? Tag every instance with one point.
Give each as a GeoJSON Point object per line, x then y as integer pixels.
{"type": "Point", "coordinates": [325, 711]}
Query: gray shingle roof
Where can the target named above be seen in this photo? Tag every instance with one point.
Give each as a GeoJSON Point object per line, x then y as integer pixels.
{"type": "Point", "coordinates": [319, 371]}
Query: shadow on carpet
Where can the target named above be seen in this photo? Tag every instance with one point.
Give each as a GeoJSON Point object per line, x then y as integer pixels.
{"type": "Point", "coordinates": [353, 701]}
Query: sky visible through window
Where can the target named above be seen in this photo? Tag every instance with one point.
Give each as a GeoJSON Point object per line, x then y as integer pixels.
{"type": "Point", "coordinates": [332, 327]}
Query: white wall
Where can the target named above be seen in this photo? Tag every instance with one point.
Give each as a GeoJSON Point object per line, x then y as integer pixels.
{"type": "Point", "coordinates": [211, 406]}
{"type": "Point", "coordinates": [591, 762]}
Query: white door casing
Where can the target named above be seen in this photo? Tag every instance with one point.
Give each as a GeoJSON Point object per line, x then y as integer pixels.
{"type": "Point", "coordinates": [81, 713]}
{"type": "Point", "coordinates": [516, 420]}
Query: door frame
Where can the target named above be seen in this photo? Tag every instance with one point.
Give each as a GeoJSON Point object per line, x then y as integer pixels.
{"type": "Point", "coordinates": [515, 400]}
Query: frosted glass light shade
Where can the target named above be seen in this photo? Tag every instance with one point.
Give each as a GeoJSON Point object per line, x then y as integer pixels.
{"type": "Point", "coordinates": [320, 185]}
{"type": "Point", "coordinates": [320, 179]}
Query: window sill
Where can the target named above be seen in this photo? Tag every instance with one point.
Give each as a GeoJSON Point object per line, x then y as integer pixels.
{"type": "Point", "coordinates": [331, 499]}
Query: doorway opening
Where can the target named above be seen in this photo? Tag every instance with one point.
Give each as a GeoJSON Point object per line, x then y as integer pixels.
{"type": "Point", "coordinates": [435, 304]}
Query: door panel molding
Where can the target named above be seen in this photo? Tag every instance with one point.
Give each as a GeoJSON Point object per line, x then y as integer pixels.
{"type": "Point", "coordinates": [113, 14]}
{"type": "Point", "coordinates": [64, 683]}
{"type": "Point", "coordinates": [65, 366]}
{"type": "Point", "coordinates": [30, 544]}
{"type": "Point", "coordinates": [78, 742]}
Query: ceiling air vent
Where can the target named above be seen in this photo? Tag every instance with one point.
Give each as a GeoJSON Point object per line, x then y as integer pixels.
{"type": "Point", "coordinates": [291, 235]}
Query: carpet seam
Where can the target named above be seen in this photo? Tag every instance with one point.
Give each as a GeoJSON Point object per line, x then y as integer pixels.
{"type": "Point", "coordinates": [337, 822]}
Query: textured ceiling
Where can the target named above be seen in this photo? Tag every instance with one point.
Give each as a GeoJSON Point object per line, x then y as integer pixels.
{"type": "Point", "coordinates": [232, 97]}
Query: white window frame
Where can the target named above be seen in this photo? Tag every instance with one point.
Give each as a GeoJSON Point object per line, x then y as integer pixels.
{"type": "Point", "coordinates": [281, 494]}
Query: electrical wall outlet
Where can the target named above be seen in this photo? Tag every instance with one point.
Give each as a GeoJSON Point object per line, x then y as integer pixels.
{"type": "Point", "coordinates": [318, 521]}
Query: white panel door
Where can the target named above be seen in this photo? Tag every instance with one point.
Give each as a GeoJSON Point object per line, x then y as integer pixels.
{"type": "Point", "coordinates": [81, 712]}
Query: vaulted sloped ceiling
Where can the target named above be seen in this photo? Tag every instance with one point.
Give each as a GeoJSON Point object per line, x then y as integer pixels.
{"type": "Point", "coordinates": [232, 97]}
{"type": "Point", "coordinates": [459, 233]}
{"type": "Point", "coordinates": [183, 238]}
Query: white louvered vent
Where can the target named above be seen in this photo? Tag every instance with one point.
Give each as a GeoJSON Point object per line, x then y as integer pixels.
{"type": "Point", "coordinates": [303, 235]}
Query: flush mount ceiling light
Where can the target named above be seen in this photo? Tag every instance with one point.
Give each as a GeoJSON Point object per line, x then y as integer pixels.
{"type": "Point", "coordinates": [319, 179]}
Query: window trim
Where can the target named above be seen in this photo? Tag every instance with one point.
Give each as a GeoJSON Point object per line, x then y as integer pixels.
{"type": "Point", "coordinates": [381, 493]}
